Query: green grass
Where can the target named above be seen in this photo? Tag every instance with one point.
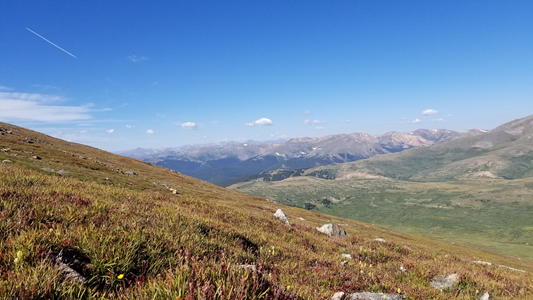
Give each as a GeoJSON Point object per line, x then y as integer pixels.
{"type": "Point", "coordinates": [490, 214]}
{"type": "Point", "coordinates": [131, 238]}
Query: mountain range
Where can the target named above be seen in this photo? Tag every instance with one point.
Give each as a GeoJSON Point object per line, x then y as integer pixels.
{"type": "Point", "coordinates": [218, 163]}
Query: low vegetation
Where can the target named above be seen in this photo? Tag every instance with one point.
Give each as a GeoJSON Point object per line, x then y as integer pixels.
{"type": "Point", "coordinates": [157, 234]}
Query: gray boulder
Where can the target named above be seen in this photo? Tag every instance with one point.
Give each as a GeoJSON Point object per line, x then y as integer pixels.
{"type": "Point", "coordinates": [63, 171]}
{"type": "Point", "coordinates": [332, 230]}
{"type": "Point", "coordinates": [281, 216]}
{"type": "Point", "coordinates": [444, 281]}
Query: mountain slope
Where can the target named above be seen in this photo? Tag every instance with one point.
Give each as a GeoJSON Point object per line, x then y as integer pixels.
{"type": "Point", "coordinates": [132, 230]}
{"type": "Point", "coordinates": [474, 190]}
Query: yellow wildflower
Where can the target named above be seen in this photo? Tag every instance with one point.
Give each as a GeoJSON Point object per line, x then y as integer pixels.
{"type": "Point", "coordinates": [120, 276]}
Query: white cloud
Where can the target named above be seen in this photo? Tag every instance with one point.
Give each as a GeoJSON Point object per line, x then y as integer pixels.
{"type": "Point", "coordinates": [307, 112]}
{"type": "Point", "coordinates": [150, 131]}
{"type": "Point", "coordinates": [428, 112]}
{"type": "Point", "coordinates": [416, 121]}
{"type": "Point", "coordinates": [37, 107]}
{"type": "Point", "coordinates": [438, 120]}
{"type": "Point", "coordinates": [189, 125]}
{"type": "Point", "coordinates": [110, 131]}
{"type": "Point", "coordinates": [260, 122]}
{"type": "Point", "coordinates": [320, 127]}
{"type": "Point", "coordinates": [129, 126]}
{"type": "Point", "coordinates": [135, 58]}
{"type": "Point", "coordinates": [313, 122]}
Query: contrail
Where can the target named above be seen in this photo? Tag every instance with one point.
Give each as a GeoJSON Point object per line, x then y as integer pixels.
{"type": "Point", "coordinates": [51, 42]}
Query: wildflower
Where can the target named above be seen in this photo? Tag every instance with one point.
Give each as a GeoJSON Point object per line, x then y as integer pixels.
{"type": "Point", "coordinates": [51, 229]}
{"type": "Point", "coordinates": [399, 291]}
{"type": "Point", "coordinates": [120, 276]}
{"type": "Point", "coordinates": [18, 259]}
{"type": "Point", "coordinates": [288, 287]}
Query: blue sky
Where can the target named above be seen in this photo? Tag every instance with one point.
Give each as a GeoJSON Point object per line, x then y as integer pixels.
{"type": "Point", "coordinates": [124, 74]}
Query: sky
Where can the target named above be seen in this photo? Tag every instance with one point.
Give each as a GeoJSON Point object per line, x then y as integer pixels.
{"type": "Point", "coordinates": [119, 75]}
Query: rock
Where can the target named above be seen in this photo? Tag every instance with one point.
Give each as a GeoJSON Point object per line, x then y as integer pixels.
{"type": "Point", "coordinates": [5, 149]}
{"type": "Point", "coordinates": [6, 161]}
{"type": "Point", "coordinates": [281, 216]}
{"type": "Point", "coordinates": [346, 255]}
{"type": "Point", "coordinates": [63, 171]}
{"type": "Point", "coordinates": [66, 270]}
{"type": "Point", "coordinates": [374, 296]}
{"type": "Point", "coordinates": [444, 281]}
{"type": "Point", "coordinates": [517, 270]}
{"type": "Point", "coordinates": [36, 157]}
{"type": "Point", "coordinates": [403, 269]}
{"type": "Point", "coordinates": [48, 170]}
{"type": "Point", "coordinates": [380, 240]}
{"type": "Point", "coordinates": [130, 173]}
{"type": "Point", "coordinates": [245, 267]}
{"type": "Point", "coordinates": [338, 296]}
{"type": "Point", "coordinates": [485, 296]}
{"type": "Point", "coordinates": [483, 262]}
{"type": "Point", "coordinates": [332, 230]}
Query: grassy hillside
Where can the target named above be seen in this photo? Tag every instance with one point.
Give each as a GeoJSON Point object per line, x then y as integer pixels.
{"type": "Point", "coordinates": [129, 236]}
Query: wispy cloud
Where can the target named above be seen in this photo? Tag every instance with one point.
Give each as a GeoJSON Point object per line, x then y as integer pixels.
{"type": "Point", "coordinates": [150, 131]}
{"type": "Point", "coordinates": [110, 131]}
{"type": "Point", "coordinates": [260, 122]}
{"type": "Point", "coordinates": [130, 126]}
{"type": "Point", "coordinates": [428, 112]}
{"type": "Point", "coordinates": [38, 107]}
{"type": "Point", "coordinates": [416, 121]}
{"type": "Point", "coordinates": [313, 122]}
{"type": "Point", "coordinates": [438, 120]}
{"type": "Point", "coordinates": [307, 112]}
{"type": "Point", "coordinates": [135, 58]}
{"type": "Point", "coordinates": [189, 125]}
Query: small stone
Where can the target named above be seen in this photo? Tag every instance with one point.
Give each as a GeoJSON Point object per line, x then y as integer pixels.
{"type": "Point", "coordinates": [380, 240]}
{"type": "Point", "coordinates": [281, 216]}
{"type": "Point", "coordinates": [36, 157]}
{"type": "Point", "coordinates": [332, 230]}
{"type": "Point", "coordinates": [338, 296]}
{"type": "Point", "coordinates": [485, 296]}
{"type": "Point", "coordinates": [444, 281]}
{"type": "Point", "coordinates": [48, 170]}
{"type": "Point", "coordinates": [346, 255]}
{"type": "Point", "coordinates": [374, 296]}
{"type": "Point", "coordinates": [63, 171]}
{"type": "Point", "coordinates": [6, 161]}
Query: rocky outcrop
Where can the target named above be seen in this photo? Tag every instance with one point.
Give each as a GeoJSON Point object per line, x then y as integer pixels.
{"type": "Point", "coordinates": [281, 216]}
{"type": "Point", "coordinates": [332, 230]}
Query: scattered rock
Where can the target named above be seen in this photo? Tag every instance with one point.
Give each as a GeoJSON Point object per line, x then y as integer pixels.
{"type": "Point", "coordinates": [483, 262]}
{"type": "Point", "coordinates": [63, 171]}
{"type": "Point", "coordinates": [403, 269]}
{"type": "Point", "coordinates": [130, 173]}
{"type": "Point", "coordinates": [36, 157]}
{"type": "Point", "coordinates": [338, 296]}
{"type": "Point", "coordinates": [518, 270]}
{"type": "Point", "coordinates": [332, 230]}
{"type": "Point", "coordinates": [6, 161]}
{"type": "Point", "coordinates": [5, 149]}
{"type": "Point", "coordinates": [245, 267]}
{"type": "Point", "coordinates": [281, 216]}
{"type": "Point", "coordinates": [380, 240]}
{"type": "Point", "coordinates": [48, 170]}
{"type": "Point", "coordinates": [174, 191]}
{"type": "Point", "coordinates": [301, 218]}
{"type": "Point", "coordinates": [374, 296]}
{"type": "Point", "coordinates": [444, 281]}
{"type": "Point", "coordinates": [485, 296]}
{"type": "Point", "coordinates": [349, 256]}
